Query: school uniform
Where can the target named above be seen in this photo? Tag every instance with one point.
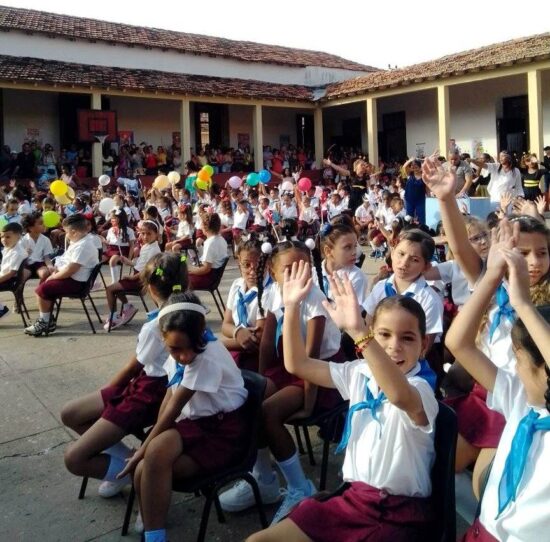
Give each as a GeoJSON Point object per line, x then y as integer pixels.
{"type": "Point", "coordinates": [357, 278]}
{"type": "Point", "coordinates": [11, 261]}
{"type": "Point", "coordinates": [37, 251]}
{"type": "Point", "coordinates": [184, 234]}
{"type": "Point", "coordinates": [526, 518]}
{"type": "Point", "coordinates": [145, 254]}
{"type": "Point", "coordinates": [116, 246]}
{"type": "Point", "coordinates": [136, 405]}
{"type": "Point", "coordinates": [212, 423]}
{"type": "Point", "coordinates": [240, 221]}
{"type": "Point", "coordinates": [214, 253]}
{"type": "Point", "coordinates": [289, 211]}
{"type": "Point", "coordinates": [364, 215]}
{"type": "Point", "coordinates": [388, 463]}
{"type": "Point", "coordinates": [452, 274]}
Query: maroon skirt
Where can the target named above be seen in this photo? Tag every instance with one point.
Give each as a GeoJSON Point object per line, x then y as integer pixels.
{"type": "Point", "coordinates": [478, 533]}
{"type": "Point", "coordinates": [477, 423]}
{"type": "Point", "coordinates": [215, 442]}
{"type": "Point", "coordinates": [364, 512]}
{"type": "Point", "coordinates": [131, 284]}
{"type": "Point", "coordinates": [135, 406]}
{"type": "Point", "coordinates": [201, 282]}
{"type": "Point", "coordinates": [115, 250]}
{"type": "Point", "coordinates": [52, 289]}
{"type": "Point", "coordinates": [245, 360]}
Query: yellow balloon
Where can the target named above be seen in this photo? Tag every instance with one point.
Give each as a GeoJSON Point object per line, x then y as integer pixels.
{"type": "Point", "coordinates": [62, 200]}
{"type": "Point", "coordinates": [202, 185]}
{"type": "Point", "coordinates": [59, 188]}
{"type": "Point", "coordinates": [161, 182]}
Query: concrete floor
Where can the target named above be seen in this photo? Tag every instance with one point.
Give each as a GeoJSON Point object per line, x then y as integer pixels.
{"type": "Point", "coordinates": [38, 497]}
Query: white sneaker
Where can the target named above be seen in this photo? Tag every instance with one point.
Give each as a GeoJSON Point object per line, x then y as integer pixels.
{"type": "Point", "coordinates": [240, 496]}
{"type": "Point", "coordinates": [128, 313]}
{"type": "Point", "coordinates": [117, 322]}
{"type": "Point", "coordinates": [110, 489]}
{"type": "Point", "coordinates": [138, 525]}
{"type": "Point", "coordinates": [292, 498]}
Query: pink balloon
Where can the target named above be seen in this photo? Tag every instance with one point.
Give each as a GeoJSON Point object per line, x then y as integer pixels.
{"type": "Point", "coordinates": [235, 182]}
{"type": "Point", "coordinates": [304, 184]}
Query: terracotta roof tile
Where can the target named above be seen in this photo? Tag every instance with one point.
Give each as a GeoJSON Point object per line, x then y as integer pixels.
{"type": "Point", "coordinates": [489, 57]}
{"type": "Point", "coordinates": [49, 72]}
{"type": "Point", "coordinates": [65, 26]}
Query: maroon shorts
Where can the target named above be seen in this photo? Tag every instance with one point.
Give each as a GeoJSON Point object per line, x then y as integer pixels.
{"type": "Point", "coordinates": [52, 289]}
{"type": "Point", "coordinates": [199, 234]}
{"type": "Point", "coordinates": [478, 533]}
{"type": "Point", "coordinates": [245, 360]}
{"type": "Point", "coordinates": [132, 284]}
{"type": "Point", "coordinates": [237, 232]}
{"type": "Point", "coordinates": [115, 250]}
{"type": "Point", "coordinates": [477, 423]}
{"type": "Point", "coordinates": [184, 243]}
{"type": "Point", "coordinates": [34, 267]}
{"type": "Point", "coordinates": [217, 441]}
{"type": "Point", "coordinates": [364, 512]}
{"type": "Point", "coordinates": [201, 282]}
{"type": "Point", "coordinates": [136, 405]}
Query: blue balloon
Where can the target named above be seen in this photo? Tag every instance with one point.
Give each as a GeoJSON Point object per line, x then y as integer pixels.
{"type": "Point", "coordinates": [265, 176]}
{"type": "Point", "coordinates": [190, 183]}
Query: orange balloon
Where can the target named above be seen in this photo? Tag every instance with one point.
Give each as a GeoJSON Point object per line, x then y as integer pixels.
{"type": "Point", "coordinates": [203, 175]}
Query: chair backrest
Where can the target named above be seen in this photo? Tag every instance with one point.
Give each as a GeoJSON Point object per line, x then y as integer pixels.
{"type": "Point", "coordinates": [218, 275]}
{"type": "Point", "coordinates": [255, 384]}
{"type": "Point", "coordinates": [20, 277]}
{"type": "Point", "coordinates": [92, 278]}
{"type": "Point", "coordinates": [443, 475]}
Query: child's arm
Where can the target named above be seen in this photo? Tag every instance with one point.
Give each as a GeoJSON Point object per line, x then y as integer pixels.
{"type": "Point", "coordinates": [267, 343]}
{"type": "Point", "coordinates": [461, 337]}
{"type": "Point", "coordinates": [65, 272]}
{"type": "Point", "coordinates": [129, 371]}
{"type": "Point", "coordinates": [170, 409]}
{"type": "Point", "coordinates": [442, 184]}
{"type": "Point", "coordinates": [234, 338]}
{"type": "Point", "coordinates": [8, 276]}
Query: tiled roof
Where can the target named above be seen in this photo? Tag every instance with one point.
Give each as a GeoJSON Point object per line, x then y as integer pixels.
{"type": "Point", "coordinates": [50, 72]}
{"type": "Point", "coordinates": [79, 28]}
{"type": "Point", "coordinates": [490, 57]}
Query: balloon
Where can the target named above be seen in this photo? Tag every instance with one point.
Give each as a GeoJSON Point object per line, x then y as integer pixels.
{"type": "Point", "coordinates": [174, 177]}
{"type": "Point", "coordinates": [287, 185]}
{"type": "Point", "coordinates": [51, 219]}
{"type": "Point", "coordinates": [235, 182]}
{"type": "Point", "coordinates": [106, 205]}
{"type": "Point", "coordinates": [70, 193]}
{"type": "Point", "coordinates": [304, 184]}
{"type": "Point", "coordinates": [204, 175]}
{"type": "Point", "coordinates": [189, 183]}
{"type": "Point", "coordinates": [252, 179]}
{"type": "Point", "coordinates": [104, 180]}
{"type": "Point", "coordinates": [62, 200]}
{"type": "Point", "coordinates": [202, 184]}
{"type": "Point", "coordinates": [3, 222]}
{"type": "Point", "coordinates": [161, 182]}
{"type": "Point", "coordinates": [209, 169]}
{"type": "Point", "coordinates": [265, 176]}
{"type": "Point", "coordinates": [59, 188]}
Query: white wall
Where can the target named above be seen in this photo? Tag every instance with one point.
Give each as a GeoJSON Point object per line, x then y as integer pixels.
{"type": "Point", "coordinates": [240, 122]}
{"type": "Point", "coordinates": [101, 54]}
{"type": "Point", "coordinates": [27, 109]}
{"type": "Point", "coordinates": [278, 121]}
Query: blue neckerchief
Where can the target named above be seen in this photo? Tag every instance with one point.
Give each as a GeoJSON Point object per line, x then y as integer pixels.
{"type": "Point", "coordinates": [389, 290]}
{"type": "Point", "coordinates": [517, 457]}
{"type": "Point", "coordinates": [152, 315]}
{"type": "Point", "coordinates": [209, 337]}
{"type": "Point", "coordinates": [504, 310]}
{"type": "Point", "coordinates": [279, 329]}
{"type": "Point", "coordinates": [374, 403]}
{"type": "Point", "coordinates": [326, 286]}
{"type": "Point", "coordinates": [242, 306]}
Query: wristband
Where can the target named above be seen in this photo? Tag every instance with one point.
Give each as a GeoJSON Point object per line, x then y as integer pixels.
{"type": "Point", "coordinates": [363, 342]}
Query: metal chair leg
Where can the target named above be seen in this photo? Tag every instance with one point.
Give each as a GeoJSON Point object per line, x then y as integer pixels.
{"type": "Point", "coordinates": [299, 440]}
{"type": "Point", "coordinates": [217, 305]}
{"type": "Point", "coordinates": [204, 518]}
{"type": "Point", "coordinates": [144, 304]}
{"type": "Point", "coordinates": [95, 308]}
{"type": "Point", "coordinates": [87, 315]}
{"type": "Point", "coordinates": [324, 465]}
{"type": "Point", "coordinates": [128, 513]}
{"type": "Point", "coordinates": [219, 511]}
{"type": "Point", "coordinates": [221, 298]}
{"type": "Point", "coordinates": [83, 486]}
{"type": "Point", "coordinates": [309, 447]}
{"type": "Point", "coordinates": [258, 498]}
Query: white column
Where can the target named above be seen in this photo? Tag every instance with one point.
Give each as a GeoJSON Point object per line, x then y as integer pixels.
{"type": "Point", "coordinates": [185, 129]}
{"type": "Point", "coordinates": [534, 94]}
{"type": "Point", "coordinates": [258, 137]}
{"type": "Point", "coordinates": [97, 151]}
{"type": "Point", "coordinates": [443, 118]}
{"type": "Point", "coordinates": [319, 143]}
{"type": "Point", "coordinates": [372, 130]}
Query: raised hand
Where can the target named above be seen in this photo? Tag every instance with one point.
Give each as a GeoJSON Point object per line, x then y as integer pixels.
{"type": "Point", "coordinates": [506, 237]}
{"type": "Point", "coordinates": [505, 200]}
{"type": "Point", "coordinates": [518, 277]}
{"type": "Point", "coordinates": [541, 204]}
{"type": "Point", "coordinates": [297, 283]}
{"type": "Point", "coordinates": [440, 182]}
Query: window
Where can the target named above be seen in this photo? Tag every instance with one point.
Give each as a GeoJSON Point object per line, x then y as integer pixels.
{"type": "Point", "coordinates": [205, 129]}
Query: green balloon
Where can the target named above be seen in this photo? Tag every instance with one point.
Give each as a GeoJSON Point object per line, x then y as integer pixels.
{"type": "Point", "coordinates": [3, 222]}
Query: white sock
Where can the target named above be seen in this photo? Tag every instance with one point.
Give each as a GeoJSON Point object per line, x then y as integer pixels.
{"type": "Point", "coordinates": [263, 469]}
{"type": "Point", "coordinates": [45, 316]}
{"type": "Point", "coordinates": [113, 271]}
{"type": "Point", "coordinates": [293, 472]}
{"type": "Point", "coordinates": [119, 450]}
{"type": "Point", "coordinates": [116, 464]}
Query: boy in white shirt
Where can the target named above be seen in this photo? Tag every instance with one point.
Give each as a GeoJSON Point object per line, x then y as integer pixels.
{"type": "Point", "coordinates": [37, 246]}
{"type": "Point", "coordinates": [12, 257]}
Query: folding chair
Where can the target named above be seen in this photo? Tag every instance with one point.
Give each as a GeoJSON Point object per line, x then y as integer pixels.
{"type": "Point", "coordinates": [214, 287]}
{"type": "Point", "coordinates": [83, 296]}
{"type": "Point", "coordinates": [331, 424]}
{"type": "Point", "coordinates": [16, 287]}
{"type": "Point", "coordinates": [210, 484]}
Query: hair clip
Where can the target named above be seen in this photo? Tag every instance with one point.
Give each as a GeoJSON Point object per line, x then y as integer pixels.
{"type": "Point", "coordinates": [159, 272]}
{"type": "Point", "coordinates": [310, 243]}
{"type": "Point", "coordinates": [176, 288]}
{"type": "Point", "coordinates": [267, 248]}
{"type": "Point", "coordinates": [183, 258]}
{"type": "Point", "coordinates": [326, 229]}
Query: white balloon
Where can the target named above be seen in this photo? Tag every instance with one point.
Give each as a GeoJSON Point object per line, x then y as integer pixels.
{"type": "Point", "coordinates": [235, 182]}
{"type": "Point", "coordinates": [104, 180]}
{"type": "Point", "coordinates": [174, 177]}
{"type": "Point", "coordinates": [287, 185]}
{"type": "Point", "coordinates": [106, 205]}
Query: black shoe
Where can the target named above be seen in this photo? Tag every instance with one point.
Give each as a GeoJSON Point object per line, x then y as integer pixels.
{"type": "Point", "coordinates": [4, 311]}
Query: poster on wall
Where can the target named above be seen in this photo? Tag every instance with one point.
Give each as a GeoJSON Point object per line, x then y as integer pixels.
{"type": "Point", "coordinates": [243, 141]}
{"type": "Point", "coordinates": [176, 140]}
{"type": "Point", "coordinates": [477, 147]}
{"type": "Point", "coordinates": [420, 150]}
{"type": "Point", "coordinates": [125, 137]}
{"type": "Point", "coordinates": [32, 134]}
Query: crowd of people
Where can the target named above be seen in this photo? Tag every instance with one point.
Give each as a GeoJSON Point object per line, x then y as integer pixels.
{"type": "Point", "coordinates": [460, 313]}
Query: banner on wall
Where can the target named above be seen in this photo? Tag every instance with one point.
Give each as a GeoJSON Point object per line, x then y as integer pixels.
{"type": "Point", "coordinates": [243, 140]}
{"type": "Point", "coordinates": [477, 147]}
{"type": "Point", "coordinates": [420, 150]}
{"type": "Point", "coordinates": [125, 137]}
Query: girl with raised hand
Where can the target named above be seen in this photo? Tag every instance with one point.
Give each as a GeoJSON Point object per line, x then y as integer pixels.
{"type": "Point", "coordinates": [516, 498]}
{"type": "Point", "coordinates": [389, 431]}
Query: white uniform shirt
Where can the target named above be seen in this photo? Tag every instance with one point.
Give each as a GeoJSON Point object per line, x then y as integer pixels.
{"type": "Point", "coordinates": [259, 218]}
{"type": "Point", "coordinates": [184, 230]}
{"type": "Point", "coordinates": [12, 258]}
{"type": "Point", "coordinates": [251, 307]}
{"type": "Point", "coordinates": [505, 181]}
{"type": "Point", "coordinates": [82, 252]}
{"type": "Point", "coordinates": [428, 299]}
{"type": "Point", "coordinates": [216, 379]}
{"type": "Point", "coordinates": [150, 350]}
{"type": "Point", "coordinates": [451, 273]}
{"type": "Point", "coordinates": [395, 455]}
{"type": "Point", "coordinates": [364, 214]}
{"type": "Point", "coordinates": [289, 211]}
{"type": "Point", "coordinates": [309, 215]}
{"type": "Point", "coordinates": [335, 210]}
{"type": "Point", "coordinates": [310, 308]}
{"type": "Point", "coordinates": [96, 240]}
{"type": "Point", "coordinates": [114, 239]}
{"type": "Point", "coordinates": [215, 251]}
{"type": "Point", "coordinates": [145, 254]}
{"type": "Point", "coordinates": [226, 220]}
{"type": "Point", "coordinates": [37, 250]}
{"type": "Point", "coordinates": [240, 220]}
{"type": "Point", "coordinates": [528, 518]}
{"type": "Point", "coordinates": [357, 278]}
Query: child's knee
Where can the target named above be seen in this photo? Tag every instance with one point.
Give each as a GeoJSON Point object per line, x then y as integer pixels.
{"type": "Point", "coordinates": [114, 261]}
{"type": "Point", "coordinates": [159, 454]}
{"type": "Point", "coordinates": [68, 415]}
{"type": "Point", "coordinates": [73, 459]}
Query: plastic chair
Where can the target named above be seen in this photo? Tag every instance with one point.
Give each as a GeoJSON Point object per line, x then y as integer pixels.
{"type": "Point", "coordinates": [83, 296]}
{"type": "Point", "coordinates": [214, 287]}
{"type": "Point", "coordinates": [210, 484]}
{"type": "Point", "coordinates": [331, 425]}
{"type": "Point", "coordinates": [119, 294]}
{"type": "Point", "coordinates": [16, 287]}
